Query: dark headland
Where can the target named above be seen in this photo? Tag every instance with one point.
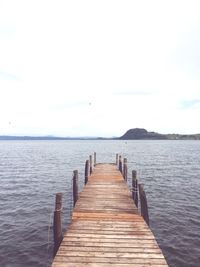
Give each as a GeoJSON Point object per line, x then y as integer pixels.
{"type": "Point", "coordinates": [131, 134]}
{"type": "Point", "coordinates": [140, 133]}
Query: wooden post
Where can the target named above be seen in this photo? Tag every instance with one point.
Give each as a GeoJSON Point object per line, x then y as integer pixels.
{"type": "Point", "coordinates": [57, 224]}
{"type": "Point", "coordinates": [143, 204]}
{"type": "Point", "coordinates": [120, 164]}
{"type": "Point", "coordinates": [86, 171]}
{"type": "Point", "coordinates": [75, 186]}
{"type": "Point", "coordinates": [117, 159]}
{"type": "Point", "coordinates": [90, 164]}
{"type": "Point", "coordinates": [135, 187]}
{"type": "Point", "coordinates": [95, 158]}
{"type": "Point", "coordinates": [125, 170]}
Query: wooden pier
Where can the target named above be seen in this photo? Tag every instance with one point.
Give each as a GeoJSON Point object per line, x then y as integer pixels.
{"type": "Point", "coordinates": [106, 228]}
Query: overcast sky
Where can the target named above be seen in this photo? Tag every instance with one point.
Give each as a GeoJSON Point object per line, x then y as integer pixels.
{"type": "Point", "coordinates": [99, 68]}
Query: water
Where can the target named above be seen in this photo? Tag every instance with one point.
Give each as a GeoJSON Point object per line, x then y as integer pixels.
{"type": "Point", "coordinates": [32, 172]}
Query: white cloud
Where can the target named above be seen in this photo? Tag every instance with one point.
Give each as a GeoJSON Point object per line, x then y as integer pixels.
{"type": "Point", "coordinates": [68, 54]}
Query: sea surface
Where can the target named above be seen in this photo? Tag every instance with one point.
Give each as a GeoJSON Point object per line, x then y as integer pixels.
{"type": "Point", "coordinates": [32, 172]}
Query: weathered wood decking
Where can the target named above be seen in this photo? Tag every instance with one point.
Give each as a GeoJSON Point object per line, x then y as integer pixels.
{"type": "Point", "coordinates": [106, 229]}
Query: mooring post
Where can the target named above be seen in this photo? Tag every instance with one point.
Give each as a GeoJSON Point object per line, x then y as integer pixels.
{"type": "Point", "coordinates": [57, 222]}
{"type": "Point", "coordinates": [135, 187]}
{"type": "Point", "coordinates": [120, 163]}
{"type": "Point", "coordinates": [95, 158]}
{"type": "Point", "coordinates": [86, 171]}
{"type": "Point", "coordinates": [125, 169]}
{"type": "Point", "coordinates": [143, 204]}
{"type": "Point", "coordinates": [75, 186]}
{"type": "Point", "coordinates": [117, 159]}
{"type": "Point", "coordinates": [90, 164]}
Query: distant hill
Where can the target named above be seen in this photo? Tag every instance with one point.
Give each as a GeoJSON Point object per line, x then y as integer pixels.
{"type": "Point", "coordinates": [140, 133]}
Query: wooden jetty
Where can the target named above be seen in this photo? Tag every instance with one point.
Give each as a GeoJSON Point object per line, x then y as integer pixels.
{"type": "Point", "coordinates": [106, 227]}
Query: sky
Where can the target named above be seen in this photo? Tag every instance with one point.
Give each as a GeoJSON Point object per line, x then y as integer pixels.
{"type": "Point", "coordinates": [99, 68]}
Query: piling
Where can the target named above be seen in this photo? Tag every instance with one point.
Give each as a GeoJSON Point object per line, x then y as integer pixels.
{"type": "Point", "coordinates": [120, 163]}
{"type": "Point", "coordinates": [75, 186]}
{"type": "Point", "coordinates": [95, 158]}
{"type": "Point", "coordinates": [90, 164]}
{"type": "Point", "coordinates": [57, 225]}
{"type": "Point", "coordinates": [86, 171]}
{"type": "Point", "coordinates": [135, 187]}
{"type": "Point", "coordinates": [125, 170]}
{"type": "Point", "coordinates": [143, 204]}
{"type": "Point", "coordinates": [117, 159]}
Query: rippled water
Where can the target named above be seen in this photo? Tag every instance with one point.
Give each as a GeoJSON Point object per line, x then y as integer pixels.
{"type": "Point", "coordinates": [32, 172]}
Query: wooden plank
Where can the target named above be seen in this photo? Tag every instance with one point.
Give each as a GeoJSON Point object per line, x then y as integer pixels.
{"type": "Point", "coordinates": [108, 227]}
{"type": "Point", "coordinates": [134, 240]}
{"type": "Point", "coordinates": [102, 230]}
{"type": "Point", "coordinates": [138, 235]}
{"type": "Point", "coordinates": [111, 216]}
{"type": "Point", "coordinates": [109, 223]}
{"type": "Point", "coordinates": [111, 244]}
{"type": "Point", "coordinates": [100, 254]}
{"type": "Point", "coordinates": [114, 211]}
{"type": "Point", "coordinates": [71, 264]}
{"type": "Point", "coordinates": [110, 249]}
{"type": "Point", "coordinates": [78, 259]}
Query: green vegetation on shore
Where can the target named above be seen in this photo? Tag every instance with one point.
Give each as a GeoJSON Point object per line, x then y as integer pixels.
{"type": "Point", "coordinates": [132, 134]}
